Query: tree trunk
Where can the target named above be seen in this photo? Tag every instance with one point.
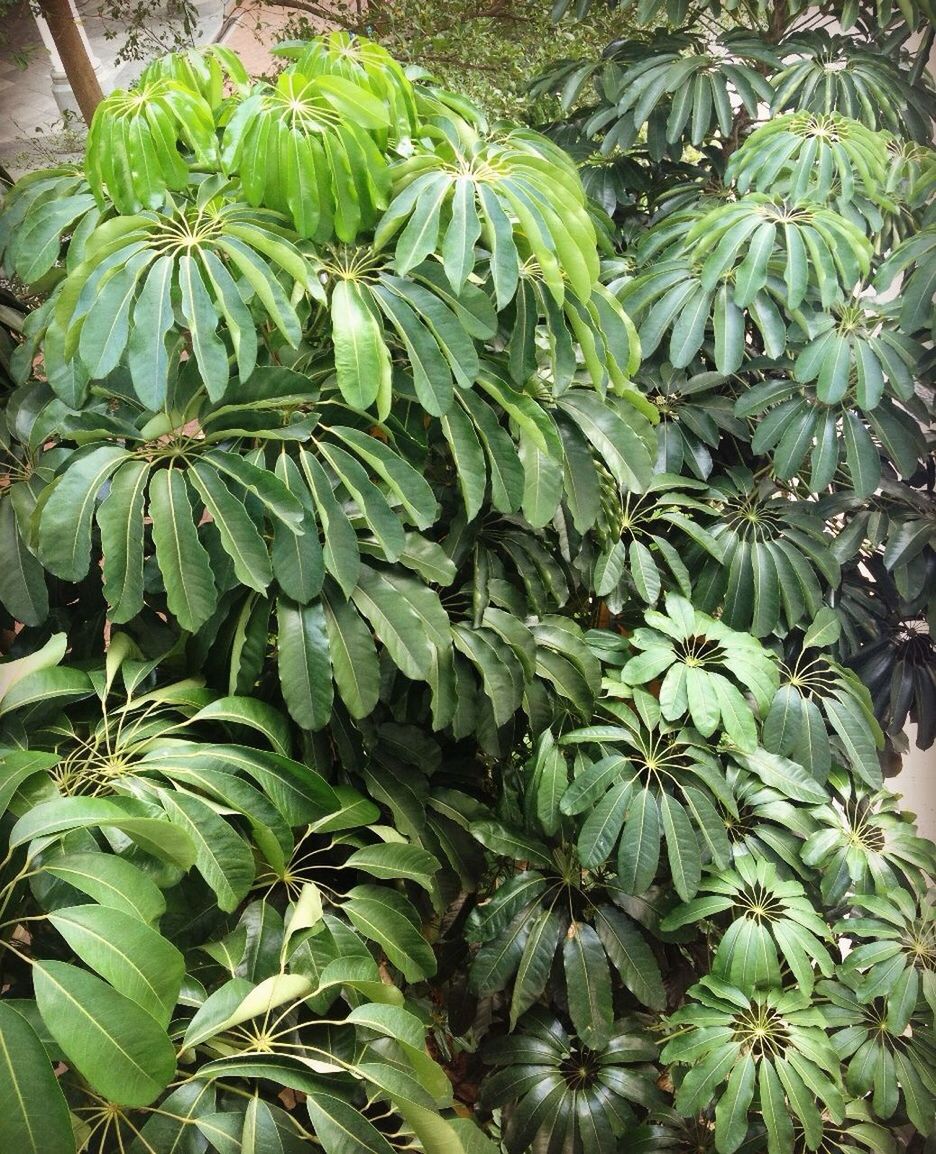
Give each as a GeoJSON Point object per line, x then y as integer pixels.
{"type": "Point", "coordinates": [71, 48]}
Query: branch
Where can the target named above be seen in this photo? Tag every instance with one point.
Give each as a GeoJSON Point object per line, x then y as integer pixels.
{"type": "Point", "coordinates": [313, 9]}
{"type": "Point", "coordinates": [926, 47]}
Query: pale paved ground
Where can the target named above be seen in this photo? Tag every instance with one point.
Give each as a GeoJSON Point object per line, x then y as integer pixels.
{"type": "Point", "coordinates": [251, 30]}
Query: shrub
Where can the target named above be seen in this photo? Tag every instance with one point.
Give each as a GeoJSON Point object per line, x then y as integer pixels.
{"type": "Point", "coordinates": [366, 645]}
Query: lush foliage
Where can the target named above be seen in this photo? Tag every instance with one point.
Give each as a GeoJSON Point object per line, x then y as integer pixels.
{"type": "Point", "coordinates": [454, 626]}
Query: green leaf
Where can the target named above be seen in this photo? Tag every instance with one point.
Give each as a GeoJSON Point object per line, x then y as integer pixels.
{"type": "Point", "coordinates": [18, 766]}
{"type": "Point", "coordinates": [639, 847]}
{"type": "Point", "coordinates": [500, 839]}
{"type": "Point", "coordinates": [774, 1110]}
{"type": "Point", "coordinates": [111, 881]}
{"type": "Point", "coordinates": [394, 860]}
{"type": "Point", "coordinates": [501, 672]}
{"type": "Point", "coordinates": [354, 101]}
{"type": "Point", "coordinates": [461, 235]}
{"type": "Point", "coordinates": [106, 326]}
{"type": "Point", "coordinates": [51, 818]}
{"type": "Point", "coordinates": [341, 553]}
{"type": "Point", "coordinates": [432, 377]}
{"type": "Point", "coordinates": [395, 622]}
{"type": "Point", "coordinates": [120, 519]}
{"type": "Point", "coordinates": [693, 911]}
{"type": "Point", "coordinates": [824, 630]}
{"type": "Point", "coordinates": [728, 324]}
{"type": "Point", "coordinates": [790, 778]}
{"type": "Point", "coordinates": [43, 687]}
{"type": "Point", "coordinates": [542, 484]}
{"type": "Point", "coordinates": [731, 1113]}
{"type": "Point", "coordinates": [260, 276]}
{"type": "Point", "coordinates": [381, 519]}
{"type": "Point", "coordinates": [689, 329]}
{"type": "Point", "coordinates": [183, 560]}
{"type": "Point", "coordinates": [239, 535]}
{"type": "Point", "coordinates": [255, 715]}
{"type": "Point", "coordinates": [803, 1094]}
{"type": "Point", "coordinates": [22, 581]}
{"type": "Point", "coordinates": [588, 985]}
{"type": "Point", "coordinates": [681, 846]}
{"type": "Point", "coordinates": [631, 956]}
{"type": "Point", "coordinates": [342, 1129]}
{"type": "Point", "coordinates": [623, 451]}
{"type": "Point", "coordinates": [137, 961]}
{"type": "Point", "coordinates": [864, 463]}
{"type": "Point", "coordinates": [353, 656]}
{"type": "Point", "coordinates": [147, 356]}
{"type": "Point", "coordinates": [550, 780]}
{"type": "Point", "coordinates": [304, 664]}
{"type": "Point", "coordinates": [65, 525]}
{"type": "Point", "coordinates": [506, 471]}
{"type": "Point", "coordinates": [222, 857]}
{"type": "Point", "coordinates": [703, 700]}
{"type": "Point", "coordinates": [410, 486]}
{"type": "Point", "coordinates": [468, 457]}
{"type": "Point", "coordinates": [602, 827]}
{"type": "Point", "coordinates": [202, 320]}
{"type": "Point", "coordinates": [498, 959]}
{"type": "Point", "coordinates": [535, 962]}
{"type": "Point", "coordinates": [420, 236]}
{"type": "Point", "coordinates": [115, 1045]}
{"type": "Point", "coordinates": [35, 1118]}
{"type": "Point", "coordinates": [751, 274]}
{"type": "Point", "coordinates": [223, 1129]}
{"type": "Point", "coordinates": [701, 1081]}
{"type": "Point", "coordinates": [387, 918]}
{"type": "Point", "coordinates": [736, 716]}
{"type": "Point", "coordinates": [240, 1001]}
{"type": "Point", "coordinates": [297, 557]}
{"type": "Point", "coordinates": [644, 572]}
{"type": "Point", "coordinates": [362, 359]}
{"type": "Point", "coordinates": [851, 726]}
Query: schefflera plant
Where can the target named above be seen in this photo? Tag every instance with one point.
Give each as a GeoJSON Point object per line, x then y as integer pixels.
{"type": "Point", "coordinates": [290, 331]}
{"type": "Point", "coordinates": [326, 406]}
{"type": "Point", "coordinates": [283, 410]}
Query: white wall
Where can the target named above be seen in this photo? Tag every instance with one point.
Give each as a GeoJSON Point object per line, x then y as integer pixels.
{"type": "Point", "coordinates": [917, 782]}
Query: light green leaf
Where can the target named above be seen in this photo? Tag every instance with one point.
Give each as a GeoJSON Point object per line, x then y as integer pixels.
{"type": "Point", "coordinates": [137, 961]}
{"type": "Point", "coordinates": [112, 882]}
{"type": "Point", "coordinates": [118, 1047]}
{"type": "Point", "coordinates": [362, 359]}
